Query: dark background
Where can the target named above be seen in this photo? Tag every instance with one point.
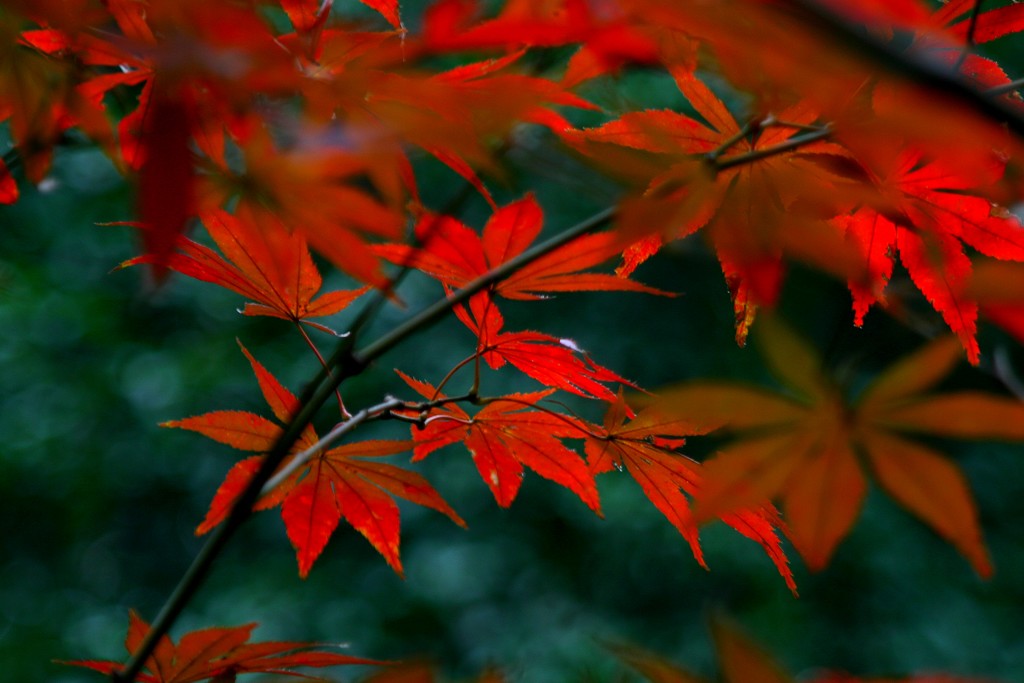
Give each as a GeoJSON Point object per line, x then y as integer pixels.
{"type": "Point", "coordinates": [98, 504]}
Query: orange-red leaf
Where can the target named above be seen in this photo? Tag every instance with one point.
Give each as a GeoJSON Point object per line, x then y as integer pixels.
{"type": "Point", "coordinates": [340, 484]}
{"type": "Point", "coordinates": [645, 446]}
{"type": "Point", "coordinates": [269, 266]}
{"type": "Point", "coordinates": [505, 435]}
{"type": "Point", "coordinates": [742, 660]}
{"type": "Point", "coordinates": [236, 428]}
{"type": "Point", "coordinates": [807, 453]}
{"type": "Point", "coordinates": [219, 654]}
{"type": "Point", "coordinates": [932, 488]}
{"type": "Point", "coordinates": [331, 485]}
{"type": "Point", "coordinates": [454, 254]}
{"type": "Point", "coordinates": [554, 362]}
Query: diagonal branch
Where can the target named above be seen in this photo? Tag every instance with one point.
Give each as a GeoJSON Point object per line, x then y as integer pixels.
{"type": "Point", "coordinates": [916, 68]}
{"type": "Point", "coordinates": [346, 362]}
{"type": "Point", "coordinates": [722, 163]}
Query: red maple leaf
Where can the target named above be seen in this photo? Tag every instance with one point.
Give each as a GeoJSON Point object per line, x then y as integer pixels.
{"type": "Point", "coordinates": [8, 188]}
{"type": "Point", "coordinates": [554, 362]}
{"type": "Point", "coordinates": [331, 485]}
{"type": "Point", "coordinates": [928, 216]}
{"type": "Point", "coordinates": [455, 254]}
{"type": "Point", "coordinates": [230, 57]}
{"type": "Point", "coordinates": [607, 39]}
{"type": "Point", "coordinates": [311, 189]}
{"type": "Point", "coordinates": [645, 446]}
{"type": "Point", "coordinates": [219, 653]}
{"type": "Point", "coordinates": [272, 268]}
{"type": "Point", "coordinates": [502, 437]}
{"type": "Point", "coordinates": [752, 212]}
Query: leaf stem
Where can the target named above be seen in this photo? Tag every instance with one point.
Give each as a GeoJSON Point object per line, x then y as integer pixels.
{"type": "Point", "coordinates": [451, 373]}
{"type": "Point", "coordinates": [323, 363]}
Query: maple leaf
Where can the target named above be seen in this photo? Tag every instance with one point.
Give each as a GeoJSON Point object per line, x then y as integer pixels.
{"type": "Point", "coordinates": [753, 212]}
{"type": "Point", "coordinates": [998, 289]}
{"type": "Point", "coordinates": [930, 214]}
{"type": "Point", "coordinates": [364, 81]}
{"type": "Point", "coordinates": [333, 484]}
{"type": "Point", "coordinates": [806, 448]}
{"type": "Point", "coordinates": [39, 103]}
{"type": "Point", "coordinates": [645, 447]}
{"type": "Point", "coordinates": [272, 268]}
{"type": "Point", "coordinates": [502, 437]}
{"type": "Point", "coordinates": [741, 660]}
{"type": "Point", "coordinates": [455, 254]}
{"type": "Point", "coordinates": [607, 40]}
{"type": "Point", "coordinates": [182, 97]}
{"type": "Point", "coordinates": [219, 654]}
{"type": "Point", "coordinates": [308, 189]}
{"type": "Point", "coordinates": [551, 361]}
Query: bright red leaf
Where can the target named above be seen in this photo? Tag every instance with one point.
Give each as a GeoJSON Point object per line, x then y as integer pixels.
{"type": "Point", "coordinates": [752, 212]}
{"type": "Point", "coordinates": [272, 268]}
{"type": "Point", "coordinates": [929, 216]}
{"type": "Point", "coordinates": [503, 436]}
{"type": "Point", "coordinates": [607, 41]}
{"type": "Point", "coordinates": [333, 484]}
{"type": "Point", "coordinates": [553, 362]}
{"type": "Point", "coordinates": [455, 254]}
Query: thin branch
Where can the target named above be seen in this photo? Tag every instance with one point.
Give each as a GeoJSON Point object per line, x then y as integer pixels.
{"type": "Point", "coordinates": [1005, 88]}
{"type": "Point", "coordinates": [972, 25]}
{"type": "Point", "coordinates": [433, 313]}
{"type": "Point", "coordinates": [381, 410]}
{"type": "Point", "coordinates": [451, 373]}
{"type": "Point", "coordinates": [339, 431]}
{"type": "Point", "coordinates": [1002, 368]}
{"type": "Point", "coordinates": [344, 363]}
{"type": "Point", "coordinates": [757, 154]}
{"type": "Point", "coordinates": [748, 128]}
{"type": "Point", "coordinates": [805, 127]}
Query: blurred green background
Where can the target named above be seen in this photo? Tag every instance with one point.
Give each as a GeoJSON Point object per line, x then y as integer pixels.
{"type": "Point", "coordinates": [98, 504]}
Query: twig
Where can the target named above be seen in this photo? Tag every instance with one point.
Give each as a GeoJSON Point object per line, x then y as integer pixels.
{"type": "Point", "coordinates": [748, 128]}
{"type": "Point", "coordinates": [782, 147]}
{"type": "Point", "coordinates": [1005, 88]}
{"type": "Point", "coordinates": [339, 431]}
{"type": "Point", "coordinates": [382, 409]}
{"type": "Point", "coordinates": [1002, 368]}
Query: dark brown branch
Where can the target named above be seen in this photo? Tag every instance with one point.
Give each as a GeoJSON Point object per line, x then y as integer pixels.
{"type": "Point", "coordinates": [915, 68]}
